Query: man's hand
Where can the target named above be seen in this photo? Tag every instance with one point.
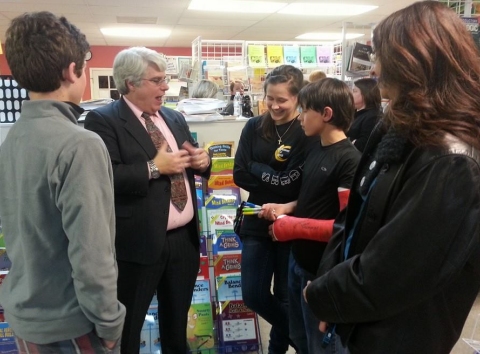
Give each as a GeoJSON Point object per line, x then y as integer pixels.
{"type": "Point", "coordinates": [170, 163]}
{"type": "Point", "coordinates": [199, 159]}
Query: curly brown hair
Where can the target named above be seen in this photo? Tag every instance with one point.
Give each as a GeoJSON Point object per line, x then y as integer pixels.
{"type": "Point", "coordinates": [430, 64]}
{"type": "Point", "coordinates": [39, 46]}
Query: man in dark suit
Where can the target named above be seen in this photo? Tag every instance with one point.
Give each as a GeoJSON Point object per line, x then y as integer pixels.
{"type": "Point", "coordinates": [154, 158]}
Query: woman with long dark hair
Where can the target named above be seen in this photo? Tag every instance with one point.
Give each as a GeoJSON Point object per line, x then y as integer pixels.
{"type": "Point", "coordinates": [402, 275]}
{"type": "Point", "coordinates": [367, 100]}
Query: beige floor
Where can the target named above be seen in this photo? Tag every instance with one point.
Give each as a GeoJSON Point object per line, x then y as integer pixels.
{"type": "Point", "coordinates": [460, 348]}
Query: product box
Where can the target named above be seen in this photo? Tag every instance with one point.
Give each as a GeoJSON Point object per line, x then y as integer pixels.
{"type": "Point", "coordinates": [220, 219]}
{"type": "Point", "coordinates": [201, 292]}
{"type": "Point", "coordinates": [226, 241]}
{"type": "Point", "coordinates": [5, 263]}
{"type": "Point", "coordinates": [220, 149]}
{"type": "Point", "coordinates": [199, 189]}
{"type": "Point", "coordinates": [203, 269]}
{"type": "Point", "coordinates": [238, 327]}
{"type": "Point", "coordinates": [222, 166]}
{"type": "Point", "coordinates": [200, 332]}
{"type": "Point", "coordinates": [227, 264]}
{"type": "Point", "coordinates": [202, 219]}
{"type": "Point", "coordinates": [217, 201]}
{"type": "Point", "coordinates": [203, 245]}
{"type": "Point", "coordinates": [229, 287]}
{"type": "Point", "coordinates": [223, 184]}
{"type": "Point", "coordinates": [149, 336]}
{"type": "Point", "coordinates": [3, 274]}
{"type": "Point", "coordinates": [7, 339]}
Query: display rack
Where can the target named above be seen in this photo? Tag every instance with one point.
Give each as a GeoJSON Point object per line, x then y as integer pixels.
{"type": "Point", "coordinates": [224, 61]}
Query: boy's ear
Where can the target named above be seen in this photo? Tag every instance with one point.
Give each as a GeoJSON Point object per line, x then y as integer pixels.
{"type": "Point", "coordinates": [327, 114]}
{"type": "Point", "coordinates": [69, 73]}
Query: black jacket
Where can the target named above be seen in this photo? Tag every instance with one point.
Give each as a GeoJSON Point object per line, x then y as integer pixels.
{"type": "Point", "coordinates": [362, 127]}
{"type": "Point", "coordinates": [141, 204]}
{"type": "Point", "coordinates": [412, 271]}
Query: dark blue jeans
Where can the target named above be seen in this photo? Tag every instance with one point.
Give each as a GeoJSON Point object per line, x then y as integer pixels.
{"type": "Point", "coordinates": [263, 259]}
{"type": "Point", "coordinates": [304, 330]}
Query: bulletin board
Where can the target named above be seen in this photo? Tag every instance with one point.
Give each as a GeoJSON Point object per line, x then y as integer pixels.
{"type": "Point", "coordinates": [11, 98]}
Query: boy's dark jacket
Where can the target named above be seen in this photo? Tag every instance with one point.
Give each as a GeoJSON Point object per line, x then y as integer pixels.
{"type": "Point", "coordinates": [413, 267]}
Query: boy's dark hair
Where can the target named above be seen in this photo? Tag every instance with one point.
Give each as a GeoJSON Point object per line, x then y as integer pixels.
{"type": "Point", "coordinates": [331, 93]}
{"type": "Point", "coordinates": [370, 92]}
{"type": "Point", "coordinates": [39, 46]}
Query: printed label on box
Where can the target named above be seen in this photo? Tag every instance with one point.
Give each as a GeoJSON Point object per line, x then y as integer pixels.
{"type": "Point", "coordinates": [226, 241]}
{"type": "Point", "coordinates": [201, 292]}
{"type": "Point", "coordinates": [227, 263]}
{"type": "Point", "coordinates": [229, 287]}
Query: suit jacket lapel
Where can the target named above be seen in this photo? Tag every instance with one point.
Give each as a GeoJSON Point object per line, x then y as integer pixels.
{"type": "Point", "coordinates": [136, 129]}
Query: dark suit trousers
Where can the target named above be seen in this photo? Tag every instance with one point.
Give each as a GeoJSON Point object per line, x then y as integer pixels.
{"type": "Point", "coordinates": [173, 279]}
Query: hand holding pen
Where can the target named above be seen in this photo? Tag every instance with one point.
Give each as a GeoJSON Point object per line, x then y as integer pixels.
{"type": "Point", "coordinates": [251, 209]}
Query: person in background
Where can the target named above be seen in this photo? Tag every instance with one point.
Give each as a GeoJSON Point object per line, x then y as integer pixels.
{"type": "Point", "coordinates": [403, 270]}
{"type": "Point", "coordinates": [154, 158]}
{"type": "Point", "coordinates": [369, 110]}
{"type": "Point", "coordinates": [56, 202]}
{"type": "Point", "coordinates": [205, 89]}
{"type": "Point", "coordinates": [327, 111]}
{"type": "Point", "coordinates": [316, 76]}
{"type": "Point", "coordinates": [267, 164]}
{"type": "Point", "coordinates": [237, 86]}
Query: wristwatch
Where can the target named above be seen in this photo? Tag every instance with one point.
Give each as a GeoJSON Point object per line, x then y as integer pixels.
{"type": "Point", "coordinates": [154, 172]}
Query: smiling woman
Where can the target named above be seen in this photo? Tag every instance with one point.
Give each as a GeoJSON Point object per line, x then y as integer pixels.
{"type": "Point", "coordinates": [268, 165]}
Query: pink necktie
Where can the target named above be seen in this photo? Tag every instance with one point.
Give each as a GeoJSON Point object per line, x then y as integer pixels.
{"type": "Point", "coordinates": [179, 192]}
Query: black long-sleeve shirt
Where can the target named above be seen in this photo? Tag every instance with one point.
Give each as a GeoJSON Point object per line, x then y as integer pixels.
{"type": "Point", "coordinates": [362, 126]}
{"type": "Point", "coordinates": [270, 172]}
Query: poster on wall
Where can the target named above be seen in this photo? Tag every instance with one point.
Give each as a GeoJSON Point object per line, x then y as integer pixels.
{"type": "Point", "coordinates": [308, 56]}
{"type": "Point", "coordinates": [324, 54]}
{"type": "Point", "coordinates": [291, 54]}
{"type": "Point", "coordinates": [274, 55]}
{"type": "Point", "coordinates": [359, 61]}
{"type": "Point", "coordinates": [472, 26]}
{"type": "Point", "coordinates": [256, 55]}
{"type": "Point", "coordinates": [172, 66]}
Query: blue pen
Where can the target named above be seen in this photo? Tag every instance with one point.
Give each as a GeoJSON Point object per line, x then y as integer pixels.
{"type": "Point", "coordinates": [328, 336]}
{"type": "Point", "coordinates": [251, 205]}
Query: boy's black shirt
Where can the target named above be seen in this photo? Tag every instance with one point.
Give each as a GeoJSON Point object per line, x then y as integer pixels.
{"type": "Point", "coordinates": [325, 170]}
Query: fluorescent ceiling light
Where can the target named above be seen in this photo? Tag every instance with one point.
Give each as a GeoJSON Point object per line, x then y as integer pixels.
{"type": "Point", "coordinates": [328, 36]}
{"type": "Point", "coordinates": [326, 9]}
{"type": "Point", "coordinates": [236, 6]}
{"type": "Point", "coordinates": [136, 32]}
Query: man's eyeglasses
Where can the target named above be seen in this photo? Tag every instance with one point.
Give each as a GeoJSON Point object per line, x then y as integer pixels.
{"type": "Point", "coordinates": [158, 81]}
